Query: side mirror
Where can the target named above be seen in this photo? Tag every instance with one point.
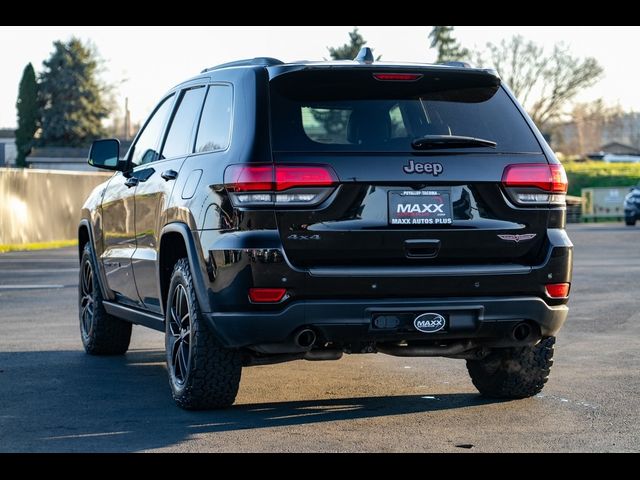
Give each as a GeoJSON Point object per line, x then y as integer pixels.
{"type": "Point", "coordinates": [106, 154]}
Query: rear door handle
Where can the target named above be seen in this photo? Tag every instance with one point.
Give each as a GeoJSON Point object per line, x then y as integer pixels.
{"type": "Point", "coordinates": [132, 182]}
{"type": "Point", "coordinates": [169, 175]}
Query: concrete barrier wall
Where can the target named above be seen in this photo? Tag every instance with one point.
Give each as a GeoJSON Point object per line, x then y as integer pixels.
{"type": "Point", "coordinates": [43, 205]}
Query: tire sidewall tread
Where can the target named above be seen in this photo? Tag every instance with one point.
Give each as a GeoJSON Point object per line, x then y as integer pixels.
{"type": "Point", "coordinates": [214, 372]}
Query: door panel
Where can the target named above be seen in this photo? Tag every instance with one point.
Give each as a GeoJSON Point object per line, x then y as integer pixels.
{"type": "Point", "coordinates": [153, 195]}
{"type": "Point", "coordinates": [152, 198]}
{"type": "Point", "coordinates": [118, 220]}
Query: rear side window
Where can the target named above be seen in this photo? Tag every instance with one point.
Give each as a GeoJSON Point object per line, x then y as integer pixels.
{"type": "Point", "coordinates": [377, 117]}
{"type": "Point", "coordinates": [180, 137]}
{"type": "Point", "coordinates": [215, 124]}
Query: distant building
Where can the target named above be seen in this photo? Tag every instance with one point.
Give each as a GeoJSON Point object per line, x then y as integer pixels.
{"type": "Point", "coordinates": [8, 150]}
{"type": "Point", "coordinates": [619, 135]}
{"type": "Point", "coordinates": [59, 158]}
{"type": "Point", "coordinates": [65, 158]}
{"type": "Point", "coordinates": [619, 148]}
{"type": "Point", "coordinates": [48, 158]}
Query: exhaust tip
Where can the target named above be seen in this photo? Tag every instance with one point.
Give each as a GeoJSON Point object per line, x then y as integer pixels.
{"type": "Point", "coordinates": [521, 332]}
{"type": "Point", "coordinates": [305, 338]}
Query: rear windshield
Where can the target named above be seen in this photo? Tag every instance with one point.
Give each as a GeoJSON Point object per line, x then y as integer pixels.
{"type": "Point", "coordinates": [376, 118]}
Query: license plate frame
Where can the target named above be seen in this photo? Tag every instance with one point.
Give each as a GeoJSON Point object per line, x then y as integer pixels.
{"type": "Point", "coordinates": [429, 206]}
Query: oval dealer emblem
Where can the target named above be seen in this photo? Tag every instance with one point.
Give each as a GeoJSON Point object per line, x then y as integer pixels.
{"type": "Point", "coordinates": [429, 322]}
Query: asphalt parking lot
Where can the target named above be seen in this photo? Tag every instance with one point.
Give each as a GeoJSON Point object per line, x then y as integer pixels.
{"type": "Point", "coordinates": [53, 397]}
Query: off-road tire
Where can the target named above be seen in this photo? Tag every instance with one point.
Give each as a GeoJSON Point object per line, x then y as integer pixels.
{"type": "Point", "coordinates": [212, 375]}
{"type": "Point", "coordinates": [513, 372]}
{"type": "Point", "coordinates": [101, 333]}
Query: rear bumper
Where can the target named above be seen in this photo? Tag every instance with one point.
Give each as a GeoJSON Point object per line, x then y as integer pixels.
{"type": "Point", "coordinates": [485, 319]}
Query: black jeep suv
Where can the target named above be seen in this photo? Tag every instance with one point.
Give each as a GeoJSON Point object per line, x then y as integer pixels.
{"type": "Point", "coordinates": [268, 212]}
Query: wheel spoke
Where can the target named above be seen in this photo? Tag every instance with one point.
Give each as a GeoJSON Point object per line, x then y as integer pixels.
{"type": "Point", "coordinates": [175, 360]}
{"type": "Point", "coordinates": [86, 305]}
{"type": "Point", "coordinates": [86, 299]}
{"type": "Point", "coordinates": [180, 363]}
{"type": "Point", "coordinates": [184, 306]}
{"type": "Point", "coordinates": [86, 321]}
{"type": "Point", "coordinates": [186, 335]}
{"type": "Point", "coordinates": [184, 357]}
{"type": "Point", "coordinates": [171, 345]}
{"type": "Point", "coordinates": [178, 302]}
{"type": "Point", "coordinates": [87, 278]}
{"type": "Point", "coordinates": [174, 325]}
{"type": "Point", "coordinates": [179, 334]}
{"type": "Point", "coordinates": [84, 278]}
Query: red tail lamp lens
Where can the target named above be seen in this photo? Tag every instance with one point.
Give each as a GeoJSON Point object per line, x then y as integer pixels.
{"type": "Point", "coordinates": [249, 178]}
{"type": "Point", "coordinates": [261, 178]}
{"type": "Point", "coordinates": [550, 178]}
{"type": "Point", "coordinates": [290, 176]}
{"type": "Point", "coordinates": [266, 295]}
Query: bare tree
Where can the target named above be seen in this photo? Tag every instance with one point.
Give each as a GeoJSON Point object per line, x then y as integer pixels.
{"type": "Point", "coordinates": [592, 121]}
{"type": "Point", "coordinates": [634, 129]}
{"type": "Point", "coordinates": [545, 83]}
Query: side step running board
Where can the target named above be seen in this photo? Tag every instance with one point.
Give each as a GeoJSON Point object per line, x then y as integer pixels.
{"type": "Point", "coordinates": [132, 315]}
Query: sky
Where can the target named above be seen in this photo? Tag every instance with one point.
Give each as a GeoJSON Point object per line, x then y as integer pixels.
{"type": "Point", "coordinates": [144, 62]}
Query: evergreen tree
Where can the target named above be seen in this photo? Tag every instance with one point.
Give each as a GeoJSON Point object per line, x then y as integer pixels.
{"type": "Point", "coordinates": [448, 47]}
{"type": "Point", "coordinates": [348, 51]}
{"type": "Point", "coordinates": [27, 107]}
{"type": "Point", "coordinates": [71, 96]}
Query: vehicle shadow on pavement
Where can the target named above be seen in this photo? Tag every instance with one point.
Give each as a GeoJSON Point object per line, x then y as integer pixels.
{"type": "Point", "coordinates": [68, 401]}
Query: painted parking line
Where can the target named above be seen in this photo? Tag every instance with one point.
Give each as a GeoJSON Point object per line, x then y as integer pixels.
{"type": "Point", "coordinates": [38, 270]}
{"type": "Point", "coordinates": [29, 287]}
{"type": "Point", "coordinates": [27, 260]}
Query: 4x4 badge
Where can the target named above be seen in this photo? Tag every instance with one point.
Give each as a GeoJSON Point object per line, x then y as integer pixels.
{"type": "Point", "coordinates": [518, 238]}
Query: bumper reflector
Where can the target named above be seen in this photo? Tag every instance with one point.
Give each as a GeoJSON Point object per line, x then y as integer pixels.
{"type": "Point", "coordinates": [266, 295]}
{"type": "Point", "coordinates": [557, 290]}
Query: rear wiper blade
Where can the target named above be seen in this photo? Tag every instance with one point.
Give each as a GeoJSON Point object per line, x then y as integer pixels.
{"type": "Point", "coordinates": [429, 142]}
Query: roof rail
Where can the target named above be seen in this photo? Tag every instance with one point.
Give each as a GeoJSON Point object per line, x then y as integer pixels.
{"type": "Point", "coordinates": [263, 61]}
{"type": "Point", "coordinates": [456, 64]}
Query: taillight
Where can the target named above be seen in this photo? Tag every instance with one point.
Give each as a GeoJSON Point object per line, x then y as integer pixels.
{"type": "Point", "coordinates": [268, 185]}
{"type": "Point", "coordinates": [246, 178]}
{"type": "Point", "coordinates": [267, 295]}
{"type": "Point", "coordinates": [536, 184]}
{"type": "Point", "coordinates": [291, 176]}
{"type": "Point", "coordinates": [557, 290]}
